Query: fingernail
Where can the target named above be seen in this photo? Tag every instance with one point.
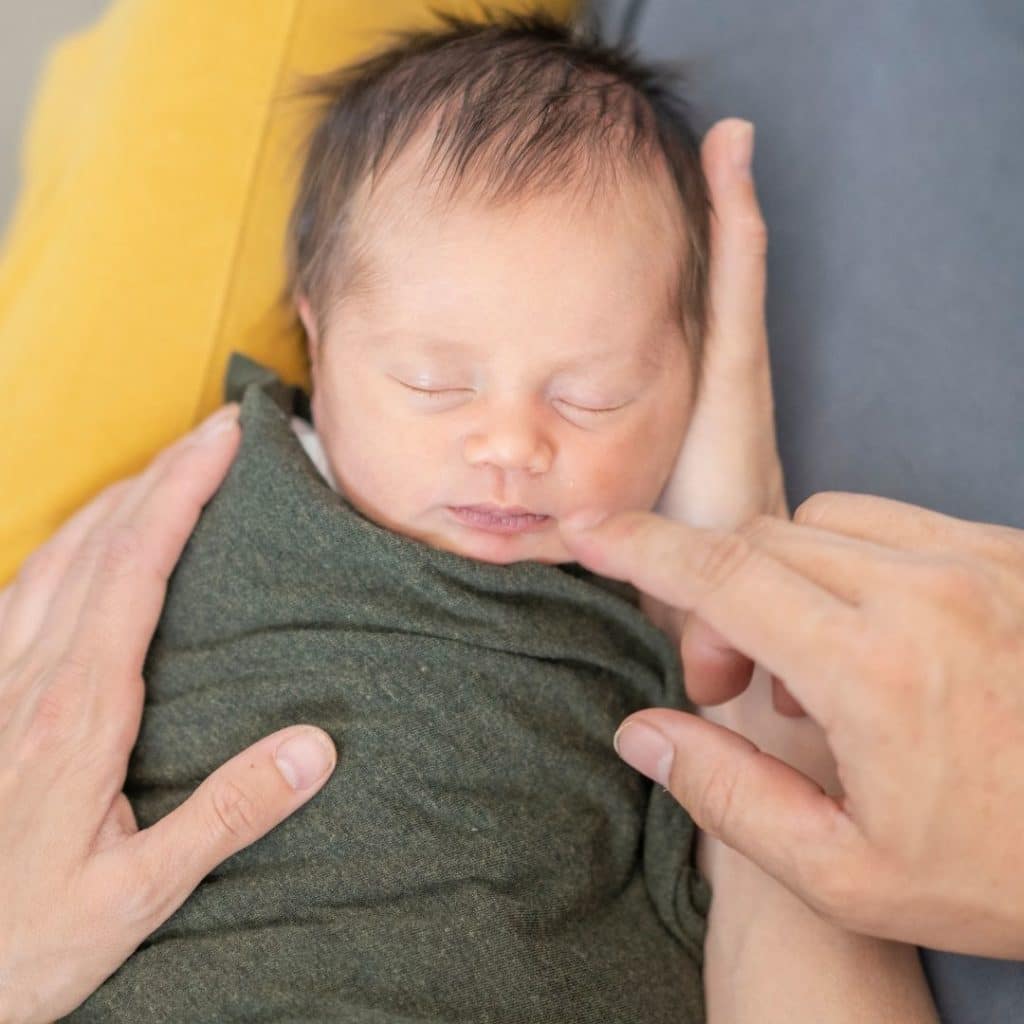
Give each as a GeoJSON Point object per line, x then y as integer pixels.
{"type": "Point", "coordinates": [305, 758]}
{"type": "Point", "coordinates": [218, 422]}
{"type": "Point", "coordinates": [743, 146]}
{"type": "Point", "coordinates": [586, 519]}
{"type": "Point", "coordinates": [645, 749]}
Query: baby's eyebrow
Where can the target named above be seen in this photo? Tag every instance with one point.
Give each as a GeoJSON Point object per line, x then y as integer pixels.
{"type": "Point", "coordinates": [433, 342]}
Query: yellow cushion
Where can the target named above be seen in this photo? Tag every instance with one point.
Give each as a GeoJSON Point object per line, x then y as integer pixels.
{"type": "Point", "coordinates": [158, 171]}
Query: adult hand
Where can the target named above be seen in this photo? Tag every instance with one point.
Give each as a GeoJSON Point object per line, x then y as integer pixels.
{"type": "Point", "coordinates": [728, 469]}
{"type": "Point", "coordinates": [81, 886]}
{"type": "Point", "coordinates": [901, 631]}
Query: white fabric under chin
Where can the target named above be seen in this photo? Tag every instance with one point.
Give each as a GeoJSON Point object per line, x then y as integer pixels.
{"type": "Point", "coordinates": [310, 441]}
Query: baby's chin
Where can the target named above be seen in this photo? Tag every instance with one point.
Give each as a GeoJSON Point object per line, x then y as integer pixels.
{"type": "Point", "coordinates": [506, 550]}
{"type": "Point", "coordinates": [501, 549]}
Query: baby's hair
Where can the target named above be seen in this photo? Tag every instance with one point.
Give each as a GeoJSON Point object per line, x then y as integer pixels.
{"type": "Point", "coordinates": [523, 104]}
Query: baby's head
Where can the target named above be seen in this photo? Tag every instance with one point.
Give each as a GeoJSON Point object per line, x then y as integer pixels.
{"type": "Point", "coordinates": [499, 253]}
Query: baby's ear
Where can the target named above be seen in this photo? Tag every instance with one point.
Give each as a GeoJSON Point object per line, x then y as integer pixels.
{"type": "Point", "coordinates": [308, 319]}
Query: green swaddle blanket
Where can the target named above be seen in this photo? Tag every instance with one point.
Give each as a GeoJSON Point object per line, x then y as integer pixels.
{"type": "Point", "coordinates": [480, 854]}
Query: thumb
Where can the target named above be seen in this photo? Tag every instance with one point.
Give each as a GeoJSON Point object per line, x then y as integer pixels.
{"type": "Point", "coordinates": [240, 802]}
{"type": "Point", "coordinates": [753, 802]}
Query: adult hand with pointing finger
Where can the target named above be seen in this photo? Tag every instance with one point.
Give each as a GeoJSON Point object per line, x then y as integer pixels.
{"type": "Point", "coordinates": [901, 632]}
{"type": "Point", "coordinates": [81, 886]}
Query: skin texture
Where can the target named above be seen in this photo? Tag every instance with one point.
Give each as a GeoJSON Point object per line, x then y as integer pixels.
{"type": "Point", "coordinates": [544, 406]}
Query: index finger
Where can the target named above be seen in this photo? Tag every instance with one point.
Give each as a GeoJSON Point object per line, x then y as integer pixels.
{"type": "Point", "coordinates": [769, 610]}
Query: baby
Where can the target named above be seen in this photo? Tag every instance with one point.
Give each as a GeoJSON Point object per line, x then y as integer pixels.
{"type": "Point", "coordinates": [499, 254]}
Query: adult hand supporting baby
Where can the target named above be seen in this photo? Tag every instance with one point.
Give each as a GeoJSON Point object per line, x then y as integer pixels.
{"type": "Point", "coordinates": [901, 631]}
{"type": "Point", "coordinates": [81, 885]}
{"type": "Point", "coordinates": [728, 469]}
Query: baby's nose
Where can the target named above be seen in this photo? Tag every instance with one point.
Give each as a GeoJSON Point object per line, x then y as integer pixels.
{"type": "Point", "coordinates": [512, 442]}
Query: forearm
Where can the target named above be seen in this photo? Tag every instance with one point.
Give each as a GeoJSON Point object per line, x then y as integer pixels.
{"type": "Point", "coordinates": [769, 958]}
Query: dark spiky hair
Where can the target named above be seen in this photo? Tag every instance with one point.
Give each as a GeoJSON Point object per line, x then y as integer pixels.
{"type": "Point", "coordinates": [523, 104]}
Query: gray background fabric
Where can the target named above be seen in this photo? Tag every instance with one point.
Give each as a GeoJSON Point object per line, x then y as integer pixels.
{"type": "Point", "coordinates": [890, 163]}
{"type": "Point", "coordinates": [890, 167]}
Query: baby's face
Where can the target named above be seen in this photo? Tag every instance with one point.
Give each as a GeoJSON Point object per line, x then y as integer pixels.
{"type": "Point", "coordinates": [508, 367]}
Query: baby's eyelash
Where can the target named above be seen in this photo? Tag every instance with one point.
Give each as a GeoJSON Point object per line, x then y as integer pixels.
{"type": "Point", "coordinates": [588, 408]}
{"type": "Point", "coordinates": [433, 392]}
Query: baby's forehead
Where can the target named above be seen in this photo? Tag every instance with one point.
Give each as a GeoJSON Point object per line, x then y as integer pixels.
{"type": "Point", "coordinates": [411, 229]}
{"type": "Point", "coordinates": [410, 322]}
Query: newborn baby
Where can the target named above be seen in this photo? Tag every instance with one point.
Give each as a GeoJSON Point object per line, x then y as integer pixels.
{"type": "Point", "coordinates": [499, 255]}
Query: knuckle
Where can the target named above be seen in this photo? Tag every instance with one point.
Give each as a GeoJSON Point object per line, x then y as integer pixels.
{"type": "Point", "coordinates": [74, 669]}
{"type": "Point", "coordinates": [54, 718]}
{"type": "Point", "coordinates": [754, 229]}
{"type": "Point", "coordinates": [234, 811]}
{"type": "Point", "coordinates": [725, 556]}
{"type": "Point", "coordinates": [119, 549]}
{"type": "Point", "coordinates": [1002, 545]}
{"type": "Point", "coordinates": [888, 668]}
{"type": "Point", "coordinates": [50, 711]}
{"type": "Point", "coordinates": [758, 526]}
{"type": "Point", "coordinates": [714, 804]}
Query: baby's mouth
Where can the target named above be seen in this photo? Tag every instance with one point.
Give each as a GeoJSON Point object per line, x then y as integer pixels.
{"type": "Point", "coordinates": [498, 519]}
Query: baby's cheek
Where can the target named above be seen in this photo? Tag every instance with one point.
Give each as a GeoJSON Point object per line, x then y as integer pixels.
{"type": "Point", "coordinates": [626, 475]}
{"type": "Point", "coordinates": [361, 468]}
